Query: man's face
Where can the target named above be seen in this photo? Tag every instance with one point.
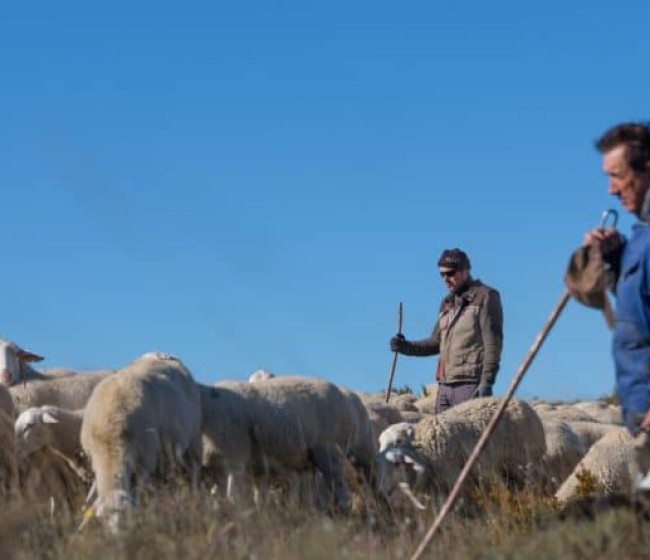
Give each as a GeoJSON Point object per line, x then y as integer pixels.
{"type": "Point", "coordinates": [629, 187]}
{"type": "Point", "coordinates": [454, 278]}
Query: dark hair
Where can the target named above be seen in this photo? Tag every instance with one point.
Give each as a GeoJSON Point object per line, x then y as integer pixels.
{"type": "Point", "coordinates": [635, 136]}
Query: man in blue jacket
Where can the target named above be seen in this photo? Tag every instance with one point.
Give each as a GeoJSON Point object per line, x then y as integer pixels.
{"type": "Point", "coordinates": [625, 150]}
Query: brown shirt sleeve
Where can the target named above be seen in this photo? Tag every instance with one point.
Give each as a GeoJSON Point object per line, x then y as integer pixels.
{"type": "Point", "coordinates": [492, 332]}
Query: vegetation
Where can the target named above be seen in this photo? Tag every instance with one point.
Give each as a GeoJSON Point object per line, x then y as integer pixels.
{"type": "Point", "coordinates": [176, 524]}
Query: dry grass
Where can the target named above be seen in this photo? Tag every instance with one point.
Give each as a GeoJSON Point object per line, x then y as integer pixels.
{"type": "Point", "coordinates": [176, 524]}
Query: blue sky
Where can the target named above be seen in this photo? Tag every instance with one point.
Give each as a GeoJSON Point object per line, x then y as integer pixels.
{"type": "Point", "coordinates": [258, 185]}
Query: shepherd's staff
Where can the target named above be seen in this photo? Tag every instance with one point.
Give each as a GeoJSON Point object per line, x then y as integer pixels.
{"type": "Point", "coordinates": [532, 352]}
{"type": "Point", "coordinates": [394, 361]}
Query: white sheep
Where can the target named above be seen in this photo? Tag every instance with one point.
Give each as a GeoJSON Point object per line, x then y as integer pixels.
{"type": "Point", "coordinates": [284, 424]}
{"type": "Point", "coordinates": [380, 413]}
{"type": "Point", "coordinates": [601, 411]}
{"type": "Point", "coordinates": [29, 387]}
{"type": "Point", "coordinates": [143, 419]}
{"type": "Point", "coordinates": [433, 458]}
{"type": "Point", "coordinates": [397, 435]}
{"type": "Point", "coordinates": [55, 427]}
{"type": "Point", "coordinates": [9, 476]}
{"type": "Point", "coordinates": [564, 450]}
{"type": "Point", "coordinates": [69, 392]}
{"type": "Point", "coordinates": [260, 375]}
{"type": "Point", "coordinates": [591, 432]}
{"type": "Point", "coordinates": [605, 469]}
{"type": "Point", "coordinates": [362, 448]}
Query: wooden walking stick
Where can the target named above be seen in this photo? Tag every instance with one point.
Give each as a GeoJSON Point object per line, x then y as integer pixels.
{"type": "Point", "coordinates": [394, 362]}
{"type": "Point", "coordinates": [532, 352]}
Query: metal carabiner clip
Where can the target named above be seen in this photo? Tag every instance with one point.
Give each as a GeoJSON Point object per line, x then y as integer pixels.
{"type": "Point", "coordinates": [606, 214]}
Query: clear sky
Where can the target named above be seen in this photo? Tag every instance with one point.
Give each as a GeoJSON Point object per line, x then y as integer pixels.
{"type": "Point", "coordinates": [258, 184]}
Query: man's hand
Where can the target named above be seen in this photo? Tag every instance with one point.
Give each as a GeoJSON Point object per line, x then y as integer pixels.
{"type": "Point", "coordinates": [607, 239]}
{"type": "Point", "coordinates": [484, 389]}
{"type": "Point", "coordinates": [398, 343]}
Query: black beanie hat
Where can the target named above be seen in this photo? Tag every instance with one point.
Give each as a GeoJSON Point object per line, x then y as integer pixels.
{"type": "Point", "coordinates": [454, 258]}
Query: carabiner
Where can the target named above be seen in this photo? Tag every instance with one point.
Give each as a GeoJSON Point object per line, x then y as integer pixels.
{"type": "Point", "coordinates": [606, 214]}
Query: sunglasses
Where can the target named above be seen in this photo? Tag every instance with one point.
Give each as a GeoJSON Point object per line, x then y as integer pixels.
{"type": "Point", "coordinates": [447, 273]}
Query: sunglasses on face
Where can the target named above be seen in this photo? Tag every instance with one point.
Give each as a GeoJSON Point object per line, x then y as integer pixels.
{"type": "Point", "coordinates": [447, 273]}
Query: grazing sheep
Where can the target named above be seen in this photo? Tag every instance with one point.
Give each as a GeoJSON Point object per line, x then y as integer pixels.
{"type": "Point", "coordinates": [564, 413]}
{"type": "Point", "coordinates": [591, 432]}
{"type": "Point", "coordinates": [69, 392]}
{"type": "Point", "coordinates": [605, 469]}
{"type": "Point", "coordinates": [143, 420]}
{"type": "Point", "coordinates": [260, 375]}
{"type": "Point", "coordinates": [278, 426]}
{"type": "Point", "coordinates": [397, 435]}
{"type": "Point", "coordinates": [362, 449]}
{"type": "Point", "coordinates": [9, 477]}
{"type": "Point", "coordinates": [601, 412]}
{"type": "Point", "coordinates": [564, 449]}
{"type": "Point", "coordinates": [55, 427]}
{"type": "Point", "coordinates": [433, 458]}
{"type": "Point", "coordinates": [381, 415]}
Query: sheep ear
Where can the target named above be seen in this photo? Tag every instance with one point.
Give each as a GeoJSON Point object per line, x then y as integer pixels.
{"type": "Point", "coordinates": [48, 418]}
{"type": "Point", "coordinates": [410, 432]}
{"type": "Point", "coordinates": [25, 356]}
{"type": "Point", "coordinates": [416, 465]}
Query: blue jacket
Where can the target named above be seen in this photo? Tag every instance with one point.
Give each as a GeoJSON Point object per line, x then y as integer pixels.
{"type": "Point", "coordinates": [631, 339]}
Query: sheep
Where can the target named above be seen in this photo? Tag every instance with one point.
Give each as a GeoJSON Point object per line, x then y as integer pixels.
{"type": "Point", "coordinates": [397, 435]}
{"type": "Point", "coordinates": [14, 363]}
{"type": "Point", "coordinates": [564, 413]}
{"type": "Point", "coordinates": [362, 448]}
{"type": "Point", "coordinates": [601, 412]}
{"type": "Point", "coordinates": [591, 432]}
{"type": "Point", "coordinates": [564, 450]}
{"type": "Point", "coordinates": [260, 375]}
{"type": "Point", "coordinates": [9, 475]}
{"type": "Point", "coordinates": [277, 426]}
{"type": "Point", "coordinates": [69, 392]}
{"type": "Point", "coordinates": [427, 404]}
{"type": "Point", "coordinates": [29, 387]}
{"type": "Point", "coordinates": [433, 458]}
{"type": "Point", "coordinates": [605, 469]}
{"type": "Point", "coordinates": [381, 415]}
{"type": "Point", "coordinates": [141, 421]}
{"type": "Point", "coordinates": [55, 427]}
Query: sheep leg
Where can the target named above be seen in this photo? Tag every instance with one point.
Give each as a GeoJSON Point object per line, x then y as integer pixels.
{"type": "Point", "coordinates": [327, 459]}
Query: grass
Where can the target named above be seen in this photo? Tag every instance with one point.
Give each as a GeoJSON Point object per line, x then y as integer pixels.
{"type": "Point", "coordinates": [177, 524]}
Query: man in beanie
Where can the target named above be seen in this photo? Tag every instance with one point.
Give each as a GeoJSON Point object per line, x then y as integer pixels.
{"type": "Point", "coordinates": [468, 335]}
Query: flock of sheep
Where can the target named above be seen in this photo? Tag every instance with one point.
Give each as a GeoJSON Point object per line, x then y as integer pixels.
{"type": "Point", "coordinates": [102, 437]}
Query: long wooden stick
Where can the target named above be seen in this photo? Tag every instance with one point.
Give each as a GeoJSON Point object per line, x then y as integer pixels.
{"type": "Point", "coordinates": [394, 361]}
{"type": "Point", "coordinates": [451, 499]}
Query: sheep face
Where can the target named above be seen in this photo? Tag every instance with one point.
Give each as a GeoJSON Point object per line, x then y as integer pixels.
{"type": "Point", "coordinates": [11, 359]}
{"type": "Point", "coordinates": [30, 430]}
{"type": "Point", "coordinates": [397, 435]}
{"type": "Point", "coordinates": [114, 509]}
